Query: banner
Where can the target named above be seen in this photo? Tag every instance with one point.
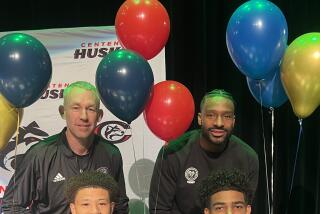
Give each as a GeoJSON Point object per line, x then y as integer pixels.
{"type": "Point", "coordinates": [75, 55]}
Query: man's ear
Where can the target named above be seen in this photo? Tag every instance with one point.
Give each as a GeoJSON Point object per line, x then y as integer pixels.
{"type": "Point", "coordinates": [199, 119]}
{"type": "Point", "coordinates": [248, 209]}
{"type": "Point", "coordinates": [206, 211]}
{"type": "Point", "coordinates": [61, 111]}
{"type": "Point", "coordinates": [72, 208]}
{"type": "Point", "coordinates": [112, 207]}
{"type": "Point", "coordinates": [100, 115]}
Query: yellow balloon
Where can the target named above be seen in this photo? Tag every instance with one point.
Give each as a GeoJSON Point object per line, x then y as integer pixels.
{"type": "Point", "coordinates": [8, 121]}
{"type": "Point", "coordinates": [300, 74]}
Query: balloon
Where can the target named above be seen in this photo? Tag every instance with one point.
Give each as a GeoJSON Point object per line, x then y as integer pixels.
{"type": "Point", "coordinates": [8, 120]}
{"type": "Point", "coordinates": [271, 90]}
{"type": "Point", "coordinates": [256, 37]}
{"type": "Point", "coordinates": [300, 74]}
{"type": "Point", "coordinates": [25, 69]}
{"type": "Point", "coordinates": [124, 80]}
{"type": "Point", "coordinates": [143, 26]}
{"type": "Point", "coordinates": [170, 111]}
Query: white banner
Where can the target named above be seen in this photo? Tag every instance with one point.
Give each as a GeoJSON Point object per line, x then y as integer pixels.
{"type": "Point", "coordinates": [75, 55]}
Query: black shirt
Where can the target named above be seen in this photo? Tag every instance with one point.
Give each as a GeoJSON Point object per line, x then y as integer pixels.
{"type": "Point", "coordinates": [181, 166]}
{"type": "Point", "coordinates": [41, 175]}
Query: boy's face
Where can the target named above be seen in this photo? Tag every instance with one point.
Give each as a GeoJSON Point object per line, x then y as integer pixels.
{"type": "Point", "coordinates": [228, 202]}
{"type": "Point", "coordinates": [92, 200]}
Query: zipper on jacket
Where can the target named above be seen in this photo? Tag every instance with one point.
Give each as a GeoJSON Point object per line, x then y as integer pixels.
{"type": "Point", "coordinates": [80, 170]}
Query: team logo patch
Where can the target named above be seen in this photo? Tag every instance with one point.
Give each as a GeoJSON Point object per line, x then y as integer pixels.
{"type": "Point", "coordinates": [103, 169]}
{"type": "Point", "coordinates": [191, 175]}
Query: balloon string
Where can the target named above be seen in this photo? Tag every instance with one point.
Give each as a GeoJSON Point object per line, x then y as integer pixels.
{"type": "Point", "coordinates": [272, 156]}
{"type": "Point", "coordinates": [264, 150]}
{"type": "Point", "coordinates": [295, 161]}
{"type": "Point", "coordinates": [135, 162]}
{"type": "Point", "coordinates": [144, 207]}
{"type": "Point", "coordinates": [158, 188]}
{"type": "Point", "coordinates": [15, 157]}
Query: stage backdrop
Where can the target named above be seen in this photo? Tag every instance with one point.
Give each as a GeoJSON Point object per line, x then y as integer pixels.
{"type": "Point", "coordinates": [75, 55]}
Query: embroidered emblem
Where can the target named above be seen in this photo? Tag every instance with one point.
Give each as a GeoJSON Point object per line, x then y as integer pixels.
{"type": "Point", "coordinates": [103, 169]}
{"type": "Point", "coordinates": [191, 175]}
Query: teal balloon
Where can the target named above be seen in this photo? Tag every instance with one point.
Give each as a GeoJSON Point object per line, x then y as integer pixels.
{"type": "Point", "coordinates": [269, 91]}
{"type": "Point", "coordinates": [256, 38]}
{"type": "Point", "coordinates": [124, 80]}
{"type": "Point", "coordinates": [25, 69]}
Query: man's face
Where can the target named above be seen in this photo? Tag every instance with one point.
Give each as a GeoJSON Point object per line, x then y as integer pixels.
{"type": "Point", "coordinates": [81, 112]}
{"type": "Point", "coordinates": [217, 119]}
{"type": "Point", "coordinates": [228, 202]}
{"type": "Point", "coordinates": [92, 200]}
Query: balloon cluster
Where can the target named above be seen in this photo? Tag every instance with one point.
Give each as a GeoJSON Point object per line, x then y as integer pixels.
{"type": "Point", "coordinates": [124, 78]}
{"type": "Point", "coordinates": [25, 72]}
{"type": "Point", "coordinates": [256, 37]}
{"type": "Point", "coordinates": [124, 81]}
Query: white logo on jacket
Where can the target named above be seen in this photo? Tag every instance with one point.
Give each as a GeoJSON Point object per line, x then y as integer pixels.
{"type": "Point", "coordinates": [104, 170]}
{"type": "Point", "coordinates": [191, 175]}
{"type": "Point", "coordinates": [58, 178]}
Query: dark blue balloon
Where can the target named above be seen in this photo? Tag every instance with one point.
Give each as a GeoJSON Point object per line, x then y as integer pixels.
{"type": "Point", "coordinates": [256, 37]}
{"type": "Point", "coordinates": [124, 80]}
{"type": "Point", "coordinates": [269, 91]}
{"type": "Point", "coordinates": [25, 69]}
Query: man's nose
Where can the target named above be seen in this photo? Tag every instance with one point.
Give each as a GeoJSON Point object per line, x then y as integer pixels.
{"type": "Point", "coordinates": [218, 121]}
{"type": "Point", "coordinates": [95, 209]}
{"type": "Point", "coordinates": [84, 114]}
{"type": "Point", "coordinates": [229, 210]}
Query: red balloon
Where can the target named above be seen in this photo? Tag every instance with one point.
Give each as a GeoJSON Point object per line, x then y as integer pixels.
{"type": "Point", "coordinates": [143, 26]}
{"type": "Point", "coordinates": [170, 110]}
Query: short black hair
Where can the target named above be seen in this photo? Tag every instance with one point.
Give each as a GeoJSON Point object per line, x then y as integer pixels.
{"type": "Point", "coordinates": [223, 180]}
{"type": "Point", "coordinates": [93, 179]}
{"type": "Point", "coordinates": [217, 93]}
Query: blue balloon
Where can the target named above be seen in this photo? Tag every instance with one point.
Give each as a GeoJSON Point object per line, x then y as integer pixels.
{"type": "Point", "coordinates": [25, 69]}
{"type": "Point", "coordinates": [256, 37]}
{"type": "Point", "coordinates": [269, 91]}
{"type": "Point", "coordinates": [124, 80]}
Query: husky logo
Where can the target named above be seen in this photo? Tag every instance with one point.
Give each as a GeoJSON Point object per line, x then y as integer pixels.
{"type": "Point", "coordinates": [113, 131]}
{"type": "Point", "coordinates": [28, 135]}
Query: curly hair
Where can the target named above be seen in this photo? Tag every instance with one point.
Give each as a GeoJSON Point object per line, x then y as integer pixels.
{"type": "Point", "coordinates": [217, 93]}
{"type": "Point", "coordinates": [91, 179]}
{"type": "Point", "coordinates": [223, 180]}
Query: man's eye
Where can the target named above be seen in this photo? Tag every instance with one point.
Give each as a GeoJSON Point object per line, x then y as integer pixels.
{"type": "Point", "coordinates": [92, 109]}
{"type": "Point", "coordinates": [85, 204]}
{"type": "Point", "coordinates": [228, 116]}
{"type": "Point", "coordinates": [219, 208]}
{"type": "Point", "coordinates": [211, 115]}
{"type": "Point", "coordinates": [239, 206]}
